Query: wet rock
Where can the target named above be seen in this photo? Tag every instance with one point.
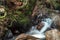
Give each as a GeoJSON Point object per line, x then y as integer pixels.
{"type": "Point", "coordinates": [39, 26]}
{"type": "Point", "coordinates": [26, 37]}
{"type": "Point", "coordinates": [57, 21]}
{"type": "Point", "coordinates": [8, 36]}
{"type": "Point", "coordinates": [53, 35]}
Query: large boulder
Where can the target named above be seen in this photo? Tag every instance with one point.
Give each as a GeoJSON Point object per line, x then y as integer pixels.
{"type": "Point", "coordinates": [26, 37]}
{"type": "Point", "coordinates": [53, 35]}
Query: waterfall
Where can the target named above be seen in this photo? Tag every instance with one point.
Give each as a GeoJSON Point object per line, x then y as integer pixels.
{"type": "Point", "coordinates": [47, 23]}
{"type": "Point", "coordinates": [40, 33]}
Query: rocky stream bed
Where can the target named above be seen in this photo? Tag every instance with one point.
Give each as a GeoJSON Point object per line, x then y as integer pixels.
{"type": "Point", "coordinates": [29, 19]}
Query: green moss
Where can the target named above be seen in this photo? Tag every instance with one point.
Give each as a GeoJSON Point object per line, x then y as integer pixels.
{"type": "Point", "coordinates": [56, 4]}
{"type": "Point", "coordinates": [19, 16]}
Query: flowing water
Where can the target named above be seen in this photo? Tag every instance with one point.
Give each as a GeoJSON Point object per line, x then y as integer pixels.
{"type": "Point", "coordinates": [40, 33]}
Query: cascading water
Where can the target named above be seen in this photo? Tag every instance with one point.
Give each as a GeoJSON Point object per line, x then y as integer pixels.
{"type": "Point", "coordinates": [40, 33]}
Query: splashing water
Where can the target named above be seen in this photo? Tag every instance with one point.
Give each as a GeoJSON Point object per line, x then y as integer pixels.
{"type": "Point", "coordinates": [40, 34]}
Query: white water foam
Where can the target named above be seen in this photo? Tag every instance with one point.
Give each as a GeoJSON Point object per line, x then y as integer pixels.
{"type": "Point", "coordinates": [40, 34]}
